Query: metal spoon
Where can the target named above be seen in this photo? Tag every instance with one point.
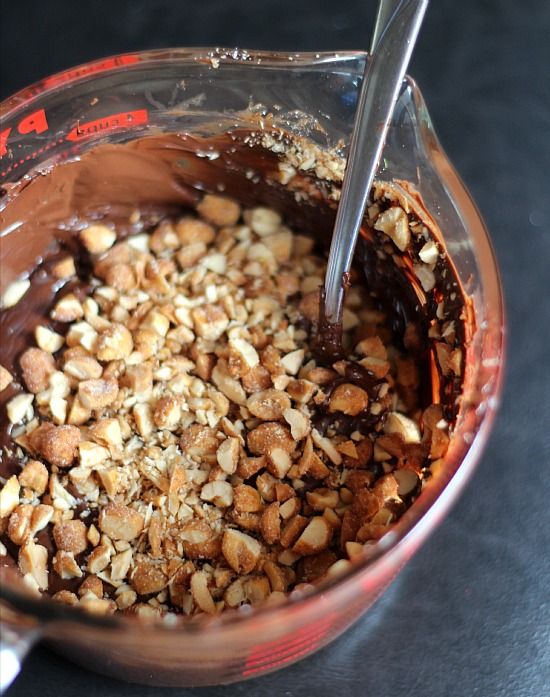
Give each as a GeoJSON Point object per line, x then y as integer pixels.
{"type": "Point", "coordinates": [397, 25]}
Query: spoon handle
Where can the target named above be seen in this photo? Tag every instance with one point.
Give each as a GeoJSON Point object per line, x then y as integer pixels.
{"type": "Point", "coordinates": [384, 73]}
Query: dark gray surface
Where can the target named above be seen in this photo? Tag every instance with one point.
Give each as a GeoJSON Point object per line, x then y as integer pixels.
{"type": "Point", "coordinates": [470, 614]}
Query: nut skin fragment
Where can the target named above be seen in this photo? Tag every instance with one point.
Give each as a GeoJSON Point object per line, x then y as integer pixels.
{"type": "Point", "coordinates": [241, 551]}
{"type": "Point", "coordinates": [36, 366]}
{"type": "Point", "coordinates": [120, 522]}
{"type": "Point", "coordinates": [348, 399]}
{"type": "Point", "coordinates": [57, 444]}
{"type": "Point", "coordinates": [70, 536]}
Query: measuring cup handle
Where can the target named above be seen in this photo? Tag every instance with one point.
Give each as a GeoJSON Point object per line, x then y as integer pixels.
{"type": "Point", "coordinates": [15, 643]}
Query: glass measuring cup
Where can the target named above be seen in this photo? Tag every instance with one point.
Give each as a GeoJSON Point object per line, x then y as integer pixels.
{"type": "Point", "coordinates": [208, 91]}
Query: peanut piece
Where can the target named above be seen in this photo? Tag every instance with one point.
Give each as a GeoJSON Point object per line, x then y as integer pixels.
{"type": "Point", "coordinates": [227, 455]}
{"type": "Point", "coordinates": [34, 475]}
{"type": "Point", "coordinates": [56, 444]}
{"type": "Point", "coordinates": [70, 536]}
{"type": "Point", "coordinates": [403, 426]}
{"type": "Point", "coordinates": [218, 492]}
{"type": "Point", "coordinates": [241, 551]}
{"type": "Point", "coordinates": [9, 496]}
{"type": "Point", "coordinates": [68, 309]}
{"type": "Point", "coordinates": [120, 522]}
{"type": "Point", "coordinates": [267, 436]}
{"type": "Point", "coordinates": [268, 405]}
{"type": "Point", "coordinates": [6, 378]}
{"type": "Point", "coordinates": [114, 343]}
{"type": "Point", "coordinates": [33, 560]}
{"type": "Point", "coordinates": [395, 224]}
{"type": "Point", "coordinates": [14, 292]}
{"type": "Point", "coordinates": [348, 399]}
{"type": "Point", "coordinates": [96, 394]}
{"type": "Point", "coordinates": [36, 366]}
{"type": "Point", "coordinates": [48, 340]}
{"type": "Point", "coordinates": [315, 538]}
{"type": "Point", "coordinates": [97, 238]}
{"type": "Point", "coordinates": [219, 210]}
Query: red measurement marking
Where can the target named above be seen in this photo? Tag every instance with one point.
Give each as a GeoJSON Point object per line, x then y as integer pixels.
{"type": "Point", "coordinates": [125, 119]}
{"type": "Point", "coordinates": [35, 122]}
{"type": "Point", "coordinates": [3, 141]}
{"type": "Point", "coordinates": [90, 69]}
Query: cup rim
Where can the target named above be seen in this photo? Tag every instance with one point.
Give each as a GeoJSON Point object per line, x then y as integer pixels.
{"type": "Point", "coordinates": [210, 56]}
{"type": "Point", "coordinates": [420, 519]}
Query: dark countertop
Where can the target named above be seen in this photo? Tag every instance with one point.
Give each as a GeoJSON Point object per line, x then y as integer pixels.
{"type": "Point", "coordinates": [470, 614]}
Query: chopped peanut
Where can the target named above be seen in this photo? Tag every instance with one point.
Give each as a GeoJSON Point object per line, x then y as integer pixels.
{"type": "Point", "coordinates": [196, 452]}
{"type": "Point", "coordinates": [241, 551]}
{"type": "Point", "coordinates": [120, 522]}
